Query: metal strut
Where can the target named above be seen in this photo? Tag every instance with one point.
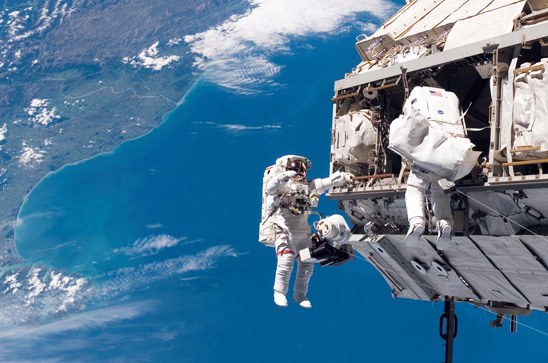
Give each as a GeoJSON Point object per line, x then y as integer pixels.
{"type": "Point", "coordinates": [449, 321]}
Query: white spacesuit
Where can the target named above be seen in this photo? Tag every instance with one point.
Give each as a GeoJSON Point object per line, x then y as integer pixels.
{"type": "Point", "coordinates": [415, 197]}
{"type": "Point", "coordinates": [430, 136]}
{"type": "Point", "coordinates": [294, 198]}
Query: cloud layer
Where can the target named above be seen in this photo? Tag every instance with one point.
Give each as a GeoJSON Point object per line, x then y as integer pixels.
{"type": "Point", "coordinates": [151, 245]}
{"type": "Point", "coordinates": [236, 54]}
{"type": "Point", "coordinates": [128, 279]}
{"type": "Point", "coordinates": [238, 128]}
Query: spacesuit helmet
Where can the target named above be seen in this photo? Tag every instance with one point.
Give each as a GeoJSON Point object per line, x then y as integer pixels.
{"type": "Point", "coordinates": [298, 166]}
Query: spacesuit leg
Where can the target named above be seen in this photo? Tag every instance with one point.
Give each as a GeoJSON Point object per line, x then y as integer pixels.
{"type": "Point", "coordinates": [414, 203]}
{"type": "Point", "coordinates": [415, 199]}
{"type": "Point", "coordinates": [300, 239]}
{"type": "Point", "coordinates": [285, 260]}
{"type": "Point", "coordinates": [304, 273]}
{"type": "Point", "coordinates": [441, 204]}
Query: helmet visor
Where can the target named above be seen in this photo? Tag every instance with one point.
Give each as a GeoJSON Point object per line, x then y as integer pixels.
{"type": "Point", "coordinates": [299, 167]}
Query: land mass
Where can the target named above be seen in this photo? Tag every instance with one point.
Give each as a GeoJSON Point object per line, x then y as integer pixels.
{"type": "Point", "coordinates": [78, 78]}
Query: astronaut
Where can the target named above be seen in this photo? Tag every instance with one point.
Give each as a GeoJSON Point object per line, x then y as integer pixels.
{"type": "Point", "coordinates": [430, 135]}
{"type": "Point", "coordinates": [294, 197]}
{"type": "Point", "coordinates": [418, 184]}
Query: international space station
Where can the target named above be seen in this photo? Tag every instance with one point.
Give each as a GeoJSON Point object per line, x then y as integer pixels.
{"type": "Point", "coordinates": [493, 55]}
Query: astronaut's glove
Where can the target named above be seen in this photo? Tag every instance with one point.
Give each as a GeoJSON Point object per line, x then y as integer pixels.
{"type": "Point", "coordinates": [286, 175]}
{"type": "Point", "coordinates": [339, 178]}
{"type": "Point", "coordinates": [348, 177]}
{"type": "Point", "coordinates": [335, 180]}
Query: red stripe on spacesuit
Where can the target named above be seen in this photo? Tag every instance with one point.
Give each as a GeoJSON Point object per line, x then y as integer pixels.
{"type": "Point", "coordinates": [283, 252]}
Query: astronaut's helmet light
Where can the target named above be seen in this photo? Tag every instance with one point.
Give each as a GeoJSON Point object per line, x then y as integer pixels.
{"type": "Point", "coordinates": [298, 166]}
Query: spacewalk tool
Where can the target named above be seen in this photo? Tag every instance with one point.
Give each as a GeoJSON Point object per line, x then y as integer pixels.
{"type": "Point", "coordinates": [329, 242]}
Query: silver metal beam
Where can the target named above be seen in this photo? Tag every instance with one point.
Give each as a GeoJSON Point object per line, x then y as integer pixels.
{"type": "Point", "coordinates": [535, 32]}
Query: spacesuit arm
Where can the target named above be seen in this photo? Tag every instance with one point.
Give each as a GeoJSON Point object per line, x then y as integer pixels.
{"type": "Point", "coordinates": [278, 181]}
{"type": "Point", "coordinates": [336, 179]}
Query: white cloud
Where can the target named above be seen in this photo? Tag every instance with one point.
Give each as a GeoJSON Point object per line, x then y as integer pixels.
{"type": "Point", "coordinates": [3, 131]}
{"type": "Point", "coordinates": [19, 342]}
{"type": "Point", "coordinates": [236, 127]}
{"type": "Point", "coordinates": [92, 318]}
{"type": "Point", "coordinates": [128, 279]}
{"type": "Point", "coordinates": [68, 285]}
{"type": "Point", "coordinates": [174, 41]}
{"type": "Point", "coordinates": [35, 286]}
{"type": "Point", "coordinates": [30, 157]}
{"type": "Point", "coordinates": [32, 293]}
{"type": "Point", "coordinates": [13, 284]}
{"type": "Point", "coordinates": [39, 112]}
{"type": "Point", "coordinates": [149, 58]}
{"type": "Point", "coordinates": [154, 226]}
{"type": "Point", "coordinates": [236, 54]}
{"type": "Point", "coordinates": [151, 245]}
{"type": "Point", "coordinates": [242, 128]}
{"type": "Point", "coordinates": [23, 24]}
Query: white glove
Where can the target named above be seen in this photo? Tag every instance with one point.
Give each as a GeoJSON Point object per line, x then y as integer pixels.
{"type": "Point", "coordinates": [339, 178]}
{"type": "Point", "coordinates": [286, 175]}
{"type": "Point", "coordinates": [349, 177]}
{"type": "Point", "coordinates": [335, 180]}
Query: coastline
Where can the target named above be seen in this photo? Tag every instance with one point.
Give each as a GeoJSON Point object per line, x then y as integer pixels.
{"type": "Point", "coordinates": [165, 119]}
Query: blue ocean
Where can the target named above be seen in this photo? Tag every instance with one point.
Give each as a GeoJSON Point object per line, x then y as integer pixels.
{"type": "Point", "coordinates": [150, 253]}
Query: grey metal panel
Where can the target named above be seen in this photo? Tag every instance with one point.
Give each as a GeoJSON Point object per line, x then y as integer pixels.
{"type": "Point", "coordinates": [393, 259]}
{"type": "Point", "coordinates": [479, 272]}
{"type": "Point", "coordinates": [391, 278]}
{"type": "Point", "coordinates": [475, 8]}
{"type": "Point", "coordinates": [526, 34]}
{"type": "Point", "coordinates": [439, 16]}
{"type": "Point", "coordinates": [539, 246]}
{"type": "Point", "coordinates": [450, 285]}
{"type": "Point", "coordinates": [502, 269]}
{"type": "Point", "coordinates": [385, 254]}
{"type": "Point", "coordinates": [518, 265]}
{"type": "Point", "coordinates": [406, 17]}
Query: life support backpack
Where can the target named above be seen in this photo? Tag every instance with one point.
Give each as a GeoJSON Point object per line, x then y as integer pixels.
{"type": "Point", "coordinates": [267, 234]}
{"type": "Point", "coordinates": [430, 135]}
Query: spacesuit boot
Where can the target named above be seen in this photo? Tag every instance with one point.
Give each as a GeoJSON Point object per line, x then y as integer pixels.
{"type": "Point", "coordinates": [280, 299]}
{"type": "Point", "coordinates": [414, 234]}
{"type": "Point", "coordinates": [444, 235]}
{"type": "Point", "coordinates": [416, 220]}
{"type": "Point", "coordinates": [303, 302]}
